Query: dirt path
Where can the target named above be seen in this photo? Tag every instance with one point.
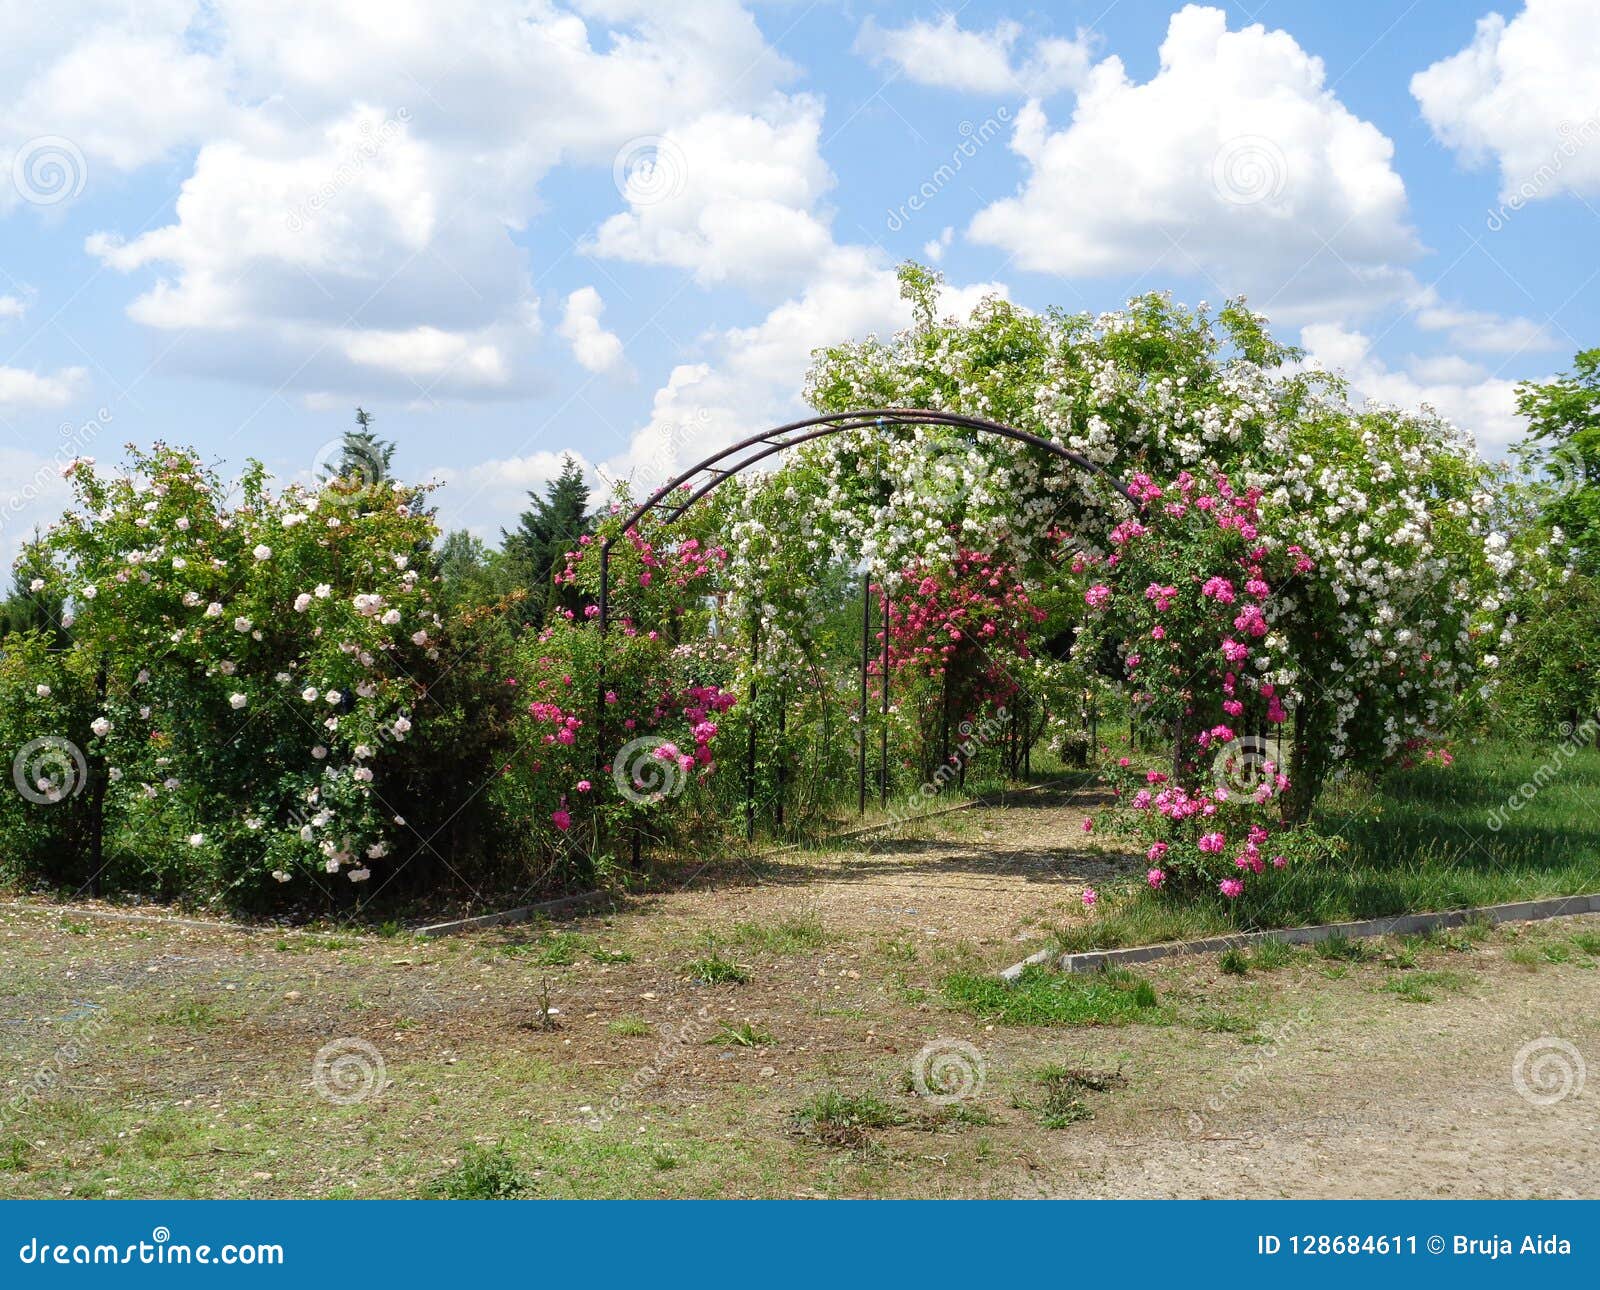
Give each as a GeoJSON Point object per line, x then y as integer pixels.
{"type": "Point", "coordinates": [1390, 1075]}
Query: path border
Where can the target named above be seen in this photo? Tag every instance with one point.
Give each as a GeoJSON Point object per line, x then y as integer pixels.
{"type": "Point", "coordinates": [1398, 924]}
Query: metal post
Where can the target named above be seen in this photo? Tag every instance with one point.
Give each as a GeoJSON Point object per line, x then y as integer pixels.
{"type": "Point", "coordinates": [750, 752]}
{"type": "Point", "coordinates": [866, 657]}
{"type": "Point", "coordinates": [783, 753]}
{"type": "Point", "coordinates": [600, 690]}
{"type": "Point", "coordinates": [883, 733]}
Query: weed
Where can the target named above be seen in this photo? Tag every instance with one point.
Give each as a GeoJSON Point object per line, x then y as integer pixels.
{"type": "Point", "coordinates": [1234, 962]}
{"type": "Point", "coordinates": [844, 1119]}
{"type": "Point", "coordinates": [714, 969]}
{"type": "Point", "coordinates": [1044, 998]}
{"type": "Point", "coordinates": [483, 1173]}
{"type": "Point", "coordinates": [630, 1026]}
{"type": "Point", "coordinates": [744, 1035]}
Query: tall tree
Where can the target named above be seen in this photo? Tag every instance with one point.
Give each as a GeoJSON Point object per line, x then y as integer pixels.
{"type": "Point", "coordinates": [363, 455]}
{"type": "Point", "coordinates": [548, 529]}
{"type": "Point", "coordinates": [1564, 440]}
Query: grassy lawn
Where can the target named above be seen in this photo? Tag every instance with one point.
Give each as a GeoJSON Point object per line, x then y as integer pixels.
{"type": "Point", "coordinates": [1427, 838]}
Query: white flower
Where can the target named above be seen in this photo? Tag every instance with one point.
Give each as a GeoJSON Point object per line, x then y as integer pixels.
{"type": "Point", "coordinates": [402, 725]}
{"type": "Point", "coordinates": [419, 638]}
{"type": "Point", "coordinates": [90, 592]}
{"type": "Point", "coordinates": [323, 591]}
{"type": "Point", "coordinates": [36, 585]}
{"type": "Point", "coordinates": [43, 691]}
{"type": "Point", "coordinates": [253, 822]}
{"type": "Point", "coordinates": [114, 774]}
{"type": "Point", "coordinates": [191, 598]}
{"type": "Point", "coordinates": [197, 839]}
{"type": "Point", "coordinates": [262, 553]}
{"type": "Point", "coordinates": [302, 602]}
{"type": "Point", "coordinates": [333, 696]}
{"type": "Point", "coordinates": [309, 694]}
{"type": "Point", "coordinates": [293, 518]}
{"type": "Point", "coordinates": [400, 561]}
{"type": "Point", "coordinates": [280, 875]}
{"type": "Point", "coordinates": [213, 610]}
{"type": "Point", "coordinates": [242, 624]}
{"type": "Point", "coordinates": [359, 875]}
{"type": "Point", "coordinates": [183, 523]}
{"type": "Point", "coordinates": [363, 751]}
{"type": "Point", "coordinates": [377, 851]}
{"type": "Point", "coordinates": [237, 700]}
{"type": "Point", "coordinates": [100, 726]}
{"type": "Point", "coordinates": [178, 562]}
{"type": "Point", "coordinates": [400, 820]}
{"type": "Point", "coordinates": [363, 774]}
{"type": "Point", "coordinates": [390, 617]}
{"type": "Point", "coordinates": [319, 752]}
{"type": "Point", "coordinates": [331, 864]}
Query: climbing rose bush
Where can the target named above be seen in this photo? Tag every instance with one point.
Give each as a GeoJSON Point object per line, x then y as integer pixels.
{"type": "Point", "coordinates": [256, 658]}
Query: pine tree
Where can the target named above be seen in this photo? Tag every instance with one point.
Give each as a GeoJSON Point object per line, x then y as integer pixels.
{"type": "Point", "coordinates": [548, 530]}
{"type": "Point", "coordinates": [363, 456]}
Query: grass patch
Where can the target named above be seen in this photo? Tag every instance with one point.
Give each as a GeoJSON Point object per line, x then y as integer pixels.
{"type": "Point", "coordinates": [1063, 1098]}
{"type": "Point", "coordinates": [634, 1026]}
{"type": "Point", "coordinates": [1422, 987]}
{"type": "Point", "coordinates": [1588, 942]}
{"type": "Point", "coordinates": [845, 1119]}
{"type": "Point", "coordinates": [1041, 997]}
{"type": "Point", "coordinates": [744, 1035]}
{"type": "Point", "coordinates": [1418, 840]}
{"type": "Point", "coordinates": [1214, 1021]}
{"type": "Point", "coordinates": [714, 969]}
{"type": "Point", "coordinates": [1234, 962]}
{"type": "Point", "coordinates": [1344, 949]}
{"type": "Point", "coordinates": [788, 936]}
{"type": "Point", "coordinates": [483, 1173]}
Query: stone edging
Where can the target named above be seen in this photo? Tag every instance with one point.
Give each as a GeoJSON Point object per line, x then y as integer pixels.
{"type": "Point", "coordinates": [1519, 911]}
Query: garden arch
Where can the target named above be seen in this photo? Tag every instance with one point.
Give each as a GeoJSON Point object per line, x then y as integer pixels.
{"type": "Point", "coordinates": [705, 476]}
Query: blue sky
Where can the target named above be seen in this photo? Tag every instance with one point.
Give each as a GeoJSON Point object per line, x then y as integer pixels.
{"type": "Point", "coordinates": [514, 230]}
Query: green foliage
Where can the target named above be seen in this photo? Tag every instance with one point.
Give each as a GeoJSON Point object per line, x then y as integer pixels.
{"type": "Point", "coordinates": [483, 1173]}
{"type": "Point", "coordinates": [1564, 441]}
{"type": "Point", "coordinates": [536, 549]}
{"type": "Point", "coordinates": [1044, 998]}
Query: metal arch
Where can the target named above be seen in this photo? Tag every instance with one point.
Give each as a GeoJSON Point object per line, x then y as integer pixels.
{"type": "Point", "coordinates": [758, 447]}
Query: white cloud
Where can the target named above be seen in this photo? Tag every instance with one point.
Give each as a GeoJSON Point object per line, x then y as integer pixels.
{"type": "Point", "coordinates": [728, 196]}
{"type": "Point", "coordinates": [1462, 392]}
{"type": "Point", "coordinates": [12, 307]}
{"type": "Point", "coordinates": [489, 496]}
{"type": "Point", "coordinates": [1235, 162]}
{"type": "Point", "coordinates": [360, 169]}
{"type": "Point", "coordinates": [1523, 93]}
{"type": "Point", "coordinates": [595, 348]}
{"type": "Point", "coordinates": [1477, 329]}
{"type": "Point", "coordinates": [23, 389]}
{"type": "Point", "coordinates": [935, 248]}
{"type": "Point", "coordinates": [946, 55]}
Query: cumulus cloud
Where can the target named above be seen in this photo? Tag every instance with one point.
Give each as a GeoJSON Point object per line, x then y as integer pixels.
{"type": "Point", "coordinates": [1524, 95]}
{"type": "Point", "coordinates": [1468, 395]}
{"type": "Point", "coordinates": [487, 497]}
{"type": "Point", "coordinates": [20, 388]}
{"type": "Point", "coordinates": [595, 348]}
{"type": "Point", "coordinates": [12, 307]}
{"type": "Point", "coordinates": [360, 170]}
{"type": "Point", "coordinates": [946, 55]}
{"type": "Point", "coordinates": [1235, 163]}
{"type": "Point", "coordinates": [727, 196]}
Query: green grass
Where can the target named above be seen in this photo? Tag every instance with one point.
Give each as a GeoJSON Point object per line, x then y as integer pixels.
{"type": "Point", "coordinates": [744, 1035]}
{"type": "Point", "coordinates": [1063, 1100]}
{"type": "Point", "coordinates": [1588, 942]}
{"type": "Point", "coordinates": [484, 1173]}
{"type": "Point", "coordinates": [1422, 987]}
{"type": "Point", "coordinates": [788, 936]}
{"type": "Point", "coordinates": [630, 1026]}
{"type": "Point", "coordinates": [844, 1119]}
{"type": "Point", "coordinates": [1041, 997]}
{"type": "Point", "coordinates": [714, 969]}
{"type": "Point", "coordinates": [1423, 839]}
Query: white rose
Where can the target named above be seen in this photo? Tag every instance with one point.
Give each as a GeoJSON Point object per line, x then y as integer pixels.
{"type": "Point", "coordinates": [302, 602]}
{"type": "Point", "coordinates": [213, 610]}
{"type": "Point", "coordinates": [100, 726]}
{"type": "Point", "coordinates": [43, 691]}
{"type": "Point", "coordinates": [242, 624]}
{"type": "Point", "coordinates": [319, 752]}
{"type": "Point", "coordinates": [359, 875]}
{"type": "Point", "coordinates": [197, 839]}
{"type": "Point", "coordinates": [309, 694]}
{"type": "Point", "coordinates": [36, 585]}
{"type": "Point", "coordinates": [237, 700]}
{"type": "Point", "coordinates": [262, 553]}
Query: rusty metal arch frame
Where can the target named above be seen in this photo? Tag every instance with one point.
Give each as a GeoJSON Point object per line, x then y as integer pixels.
{"type": "Point", "coordinates": [721, 466]}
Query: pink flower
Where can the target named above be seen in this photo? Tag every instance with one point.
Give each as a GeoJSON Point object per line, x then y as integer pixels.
{"type": "Point", "coordinates": [1090, 896]}
{"type": "Point", "coordinates": [1278, 862]}
{"type": "Point", "coordinates": [1098, 596]}
{"type": "Point", "coordinates": [1088, 824]}
{"type": "Point", "coordinates": [1234, 652]}
{"type": "Point", "coordinates": [1232, 888]}
{"type": "Point", "coordinates": [584, 786]}
{"type": "Point", "coordinates": [1155, 878]}
{"type": "Point", "coordinates": [1156, 851]}
{"type": "Point", "coordinates": [561, 819]}
{"type": "Point", "coordinates": [1213, 843]}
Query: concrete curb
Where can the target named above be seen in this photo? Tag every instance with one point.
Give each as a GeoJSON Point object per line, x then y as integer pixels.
{"type": "Point", "coordinates": [1399, 924]}
{"type": "Point", "coordinates": [522, 914]}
